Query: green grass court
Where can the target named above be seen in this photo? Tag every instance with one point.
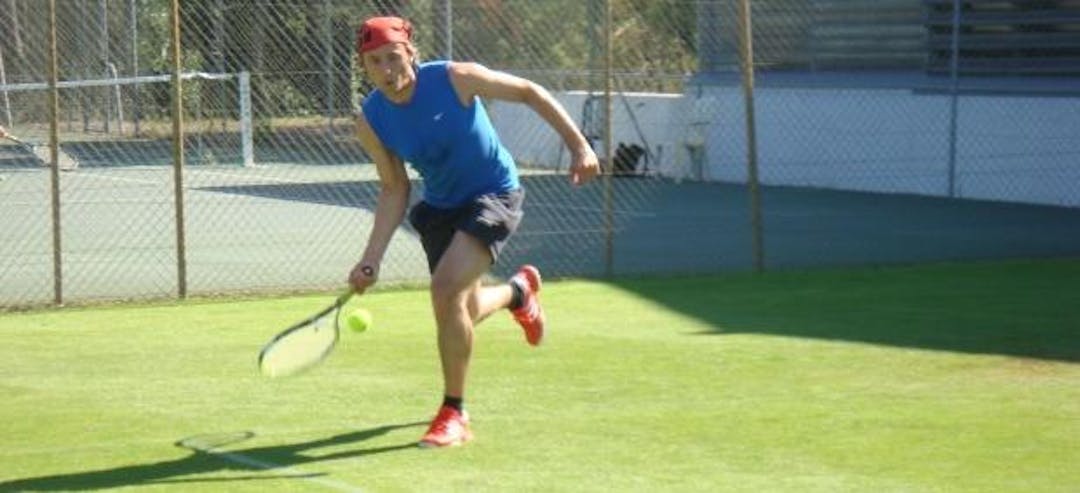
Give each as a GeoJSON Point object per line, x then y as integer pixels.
{"type": "Point", "coordinates": [952, 377]}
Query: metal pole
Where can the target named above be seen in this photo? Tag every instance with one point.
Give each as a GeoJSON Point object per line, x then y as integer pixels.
{"type": "Point", "coordinates": [247, 146]}
{"type": "Point", "coordinates": [54, 152]}
{"type": "Point", "coordinates": [594, 18]}
{"type": "Point", "coordinates": [103, 42]}
{"type": "Point", "coordinates": [219, 59]}
{"type": "Point", "coordinates": [446, 15]}
{"type": "Point", "coordinates": [609, 193]}
{"type": "Point", "coordinates": [133, 21]}
{"type": "Point", "coordinates": [954, 79]}
{"type": "Point", "coordinates": [3, 81]}
{"type": "Point", "coordinates": [16, 24]}
{"type": "Point", "coordinates": [746, 45]}
{"type": "Point", "coordinates": [84, 37]}
{"type": "Point", "coordinates": [178, 149]}
{"type": "Point", "coordinates": [328, 65]}
{"type": "Point", "coordinates": [117, 97]}
{"type": "Point", "coordinates": [449, 29]}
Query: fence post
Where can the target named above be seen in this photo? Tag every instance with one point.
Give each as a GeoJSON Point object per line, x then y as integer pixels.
{"type": "Point", "coordinates": [178, 149]}
{"type": "Point", "coordinates": [609, 207]}
{"type": "Point", "coordinates": [954, 80]}
{"type": "Point", "coordinates": [746, 35]}
{"type": "Point", "coordinates": [54, 151]}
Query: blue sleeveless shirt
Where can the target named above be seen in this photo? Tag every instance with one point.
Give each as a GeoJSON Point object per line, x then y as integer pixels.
{"type": "Point", "coordinates": [453, 147]}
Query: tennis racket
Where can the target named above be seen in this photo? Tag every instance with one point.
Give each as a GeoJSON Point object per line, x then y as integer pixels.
{"type": "Point", "coordinates": [65, 161]}
{"type": "Point", "coordinates": [305, 344]}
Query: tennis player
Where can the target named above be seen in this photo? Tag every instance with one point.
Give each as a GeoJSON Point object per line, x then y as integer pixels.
{"type": "Point", "coordinates": [431, 115]}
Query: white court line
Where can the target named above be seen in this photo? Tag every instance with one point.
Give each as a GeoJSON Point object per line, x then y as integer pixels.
{"type": "Point", "coordinates": [145, 181]}
{"type": "Point", "coordinates": [124, 179]}
{"type": "Point", "coordinates": [266, 466]}
{"type": "Point", "coordinates": [246, 177]}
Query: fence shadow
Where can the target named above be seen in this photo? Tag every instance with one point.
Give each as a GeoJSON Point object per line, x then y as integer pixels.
{"type": "Point", "coordinates": [1023, 309]}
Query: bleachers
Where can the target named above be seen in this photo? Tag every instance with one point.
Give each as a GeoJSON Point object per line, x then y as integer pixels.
{"type": "Point", "coordinates": [997, 37]}
{"type": "Point", "coordinates": [1002, 37]}
{"type": "Point", "coordinates": [866, 34]}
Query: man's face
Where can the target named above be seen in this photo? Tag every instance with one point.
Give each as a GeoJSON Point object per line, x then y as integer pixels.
{"type": "Point", "coordinates": [390, 68]}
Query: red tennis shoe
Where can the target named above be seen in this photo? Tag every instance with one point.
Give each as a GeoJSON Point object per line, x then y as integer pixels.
{"type": "Point", "coordinates": [449, 428]}
{"type": "Point", "coordinates": [530, 315]}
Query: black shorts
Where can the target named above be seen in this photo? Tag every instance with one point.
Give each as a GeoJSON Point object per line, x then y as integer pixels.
{"type": "Point", "coordinates": [490, 218]}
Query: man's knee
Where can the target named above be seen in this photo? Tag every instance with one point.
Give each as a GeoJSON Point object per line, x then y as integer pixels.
{"type": "Point", "coordinates": [448, 293]}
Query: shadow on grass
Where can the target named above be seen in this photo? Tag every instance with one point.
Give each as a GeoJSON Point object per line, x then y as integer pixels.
{"type": "Point", "coordinates": [208, 458]}
{"type": "Point", "coordinates": [1024, 309]}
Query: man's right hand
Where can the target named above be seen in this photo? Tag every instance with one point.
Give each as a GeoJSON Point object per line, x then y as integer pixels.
{"type": "Point", "coordinates": [363, 276]}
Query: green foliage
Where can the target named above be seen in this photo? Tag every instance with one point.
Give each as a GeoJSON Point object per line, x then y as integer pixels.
{"type": "Point", "coordinates": [558, 42]}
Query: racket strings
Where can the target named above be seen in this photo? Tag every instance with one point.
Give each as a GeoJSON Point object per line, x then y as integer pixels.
{"type": "Point", "coordinates": [301, 347]}
{"type": "Point", "coordinates": [305, 344]}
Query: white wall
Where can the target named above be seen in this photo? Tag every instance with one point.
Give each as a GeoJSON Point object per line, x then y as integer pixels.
{"type": "Point", "coordinates": [534, 144]}
{"type": "Point", "coordinates": [1010, 148]}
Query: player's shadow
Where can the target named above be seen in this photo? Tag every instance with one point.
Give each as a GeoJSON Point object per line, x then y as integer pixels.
{"type": "Point", "coordinates": [210, 455]}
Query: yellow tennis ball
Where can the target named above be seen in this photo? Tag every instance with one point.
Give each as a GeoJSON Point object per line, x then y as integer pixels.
{"type": "Point", "coordinates": [359, 320]}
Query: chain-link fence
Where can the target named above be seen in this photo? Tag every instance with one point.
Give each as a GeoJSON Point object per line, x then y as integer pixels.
{"type": "Point", "coordinates": [885, 131]}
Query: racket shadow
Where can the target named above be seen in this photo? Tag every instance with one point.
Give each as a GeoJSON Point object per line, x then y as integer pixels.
{"type": "Point", "coordinates": [272, 457]}
{"type": "Point", "coordinates": [215, 453]}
